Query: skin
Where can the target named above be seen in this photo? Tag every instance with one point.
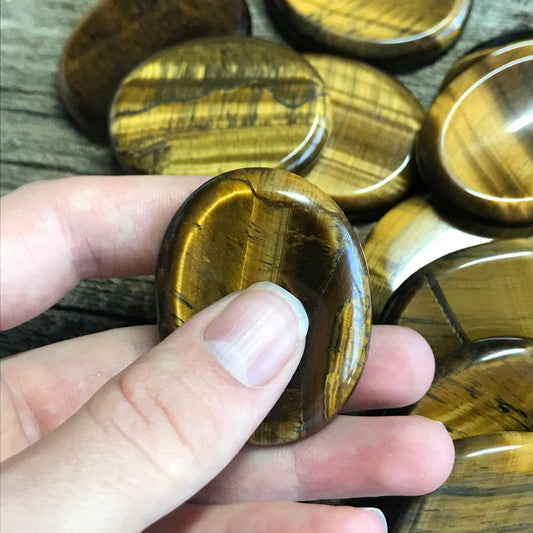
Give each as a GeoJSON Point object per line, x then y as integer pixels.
{"type": "Point", "coordinates": [101, 433]}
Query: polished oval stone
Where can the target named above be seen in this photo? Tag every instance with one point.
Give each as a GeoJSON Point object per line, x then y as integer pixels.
{"type": "Point", "coordinates": [367, 162]}
{"type": "Point", "coordinates": [255, 225]}
{"type": "Point", "coordinates": [413, 234]}
{"type": "Point", "coordinates": [381, 29]}
{"type": "Point", "coordinates": [491, 48]}
{"type": "Point", "coordinates": [478, 292]}
{"type": "Point", "coordinates": [214, 105]}
{"type": "Point", "coordinates": [489, 490]}
{"type": "Point", "coordinates": [476, 144]}
{"type": "Point", "coordinates": [118, 34]}
{"type": "Point", "coordinates": [486, 386]}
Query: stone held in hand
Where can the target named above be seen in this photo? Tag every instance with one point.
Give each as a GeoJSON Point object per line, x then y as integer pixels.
{"type": "Point", "coordinates": [255, 225]}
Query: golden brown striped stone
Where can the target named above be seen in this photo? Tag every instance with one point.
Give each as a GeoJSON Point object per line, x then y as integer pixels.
{"type": "Point", "coordinates": [413, 234]}
{"type": "Point", "coordinates": [485, 386]}
{"type": "Point", "coordinates": [476, 144]}
{"type": "Point", "coordinates": [258, 225]}
{"type": "Point", "coordinates": [490, 489]}
{"type": "Point", "coordinates": [213, 105]}
{"type": "Point", "coordinates": [491, 48]}
{"type": "Point", "coordinates": [482, 291]}
{"type": "Point", "coordinates": [118, 34]}
{"type": "Point", "coordinates": [367, 162]}
{"type": "Point", "coordinates": [380, 29]}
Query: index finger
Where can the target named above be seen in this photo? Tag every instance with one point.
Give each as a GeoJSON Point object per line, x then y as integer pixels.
{"type": "Point", "coordinates": [56, 233]}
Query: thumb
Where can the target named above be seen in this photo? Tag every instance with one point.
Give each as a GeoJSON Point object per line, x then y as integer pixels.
{"type": "Point", "coordinates": [165, 426]}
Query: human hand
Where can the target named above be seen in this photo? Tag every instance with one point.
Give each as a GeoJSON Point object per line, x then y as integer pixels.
{"type": "Point", "coordinates": [113, 431]}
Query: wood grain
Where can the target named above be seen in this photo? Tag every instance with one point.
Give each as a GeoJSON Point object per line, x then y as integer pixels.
{"type": "Point", "coordinates": [483, 387]}
{"type": "Point", "coordinates": [258, 225]}
{"type": "Point", "coordinates": [413, 234]}
{"type": "Point", "coordinates": [381, 29]}
{"type": "Point", "coordinates": [476, 145]}
{"type": "Point", "coordinates": [490, 489]}
{"type": "Point", "coordinates": [478, 292]}
{"type": "Point", "coordinates": [214, 105]}
{"type": "Point", "coordinates": [116, 35]}
{"type": "Point", "coordinates": [39, 141]}
{"type": "Point", "coordinates": [367, 163]}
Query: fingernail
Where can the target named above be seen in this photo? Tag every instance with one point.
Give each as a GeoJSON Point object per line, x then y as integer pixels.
{"type": "Point", "coordinates": [442, 424]}
{"type": "Point", "coordinates": [380, 515]}
{"type": "Point", "coordinates": [257, 333]}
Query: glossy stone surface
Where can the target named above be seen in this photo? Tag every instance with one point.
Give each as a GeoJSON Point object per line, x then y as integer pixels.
{"type": "Point", "coordinates": [367, 162]}
{"type": "Point", "coordinates": [476, 144]}
{"type": "Point", "coordinates": [482, 291]}
{"type": "Point", "coordinates": [491, 48]}
{"type": "Point", "coordinates": [256, 225]}
{"type": "Point", "coordinates": [489, 490]}
{"type": "Point", "coordinates": [485, 386]}
{"type": "Point", "coordinates": [118, 34]}
{"type": "Point", "coordinates": [381, 29]}
{"type": "Point", "coordinates": [214, 105]}
{"type": "Point", "coordinates": [413, 234]}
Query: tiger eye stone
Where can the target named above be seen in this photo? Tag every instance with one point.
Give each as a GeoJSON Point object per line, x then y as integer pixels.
{"type": "Point", "coordinates": [489, 490]}
{"type": "Point", "coordinates": [256, 225]}
{"type": "Point", "coordinates": [367, 162]}
{"type": "Point", "coordinates": [118, 34]}
{"type": "Point", "coordinates": [413, 234]}
{"type": "Point", "coordinates": [381, 29]}
{"type": "Point", "coordinates": [494, 47]}
{"type": "Point", "coordinates": [475, 146]}
{"type": "Point", "coordinates": [213, 105]}
{"type": "Point", "coordinates": [485, 386]}
{"type": "Point", "coordinates": [482, 291]}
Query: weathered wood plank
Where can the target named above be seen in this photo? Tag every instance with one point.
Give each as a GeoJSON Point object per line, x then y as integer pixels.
{"type": "Point", "coordinates": [58, 324]}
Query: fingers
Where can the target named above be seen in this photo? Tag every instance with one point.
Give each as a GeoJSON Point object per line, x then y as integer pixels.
{"type": "Point", "coordinates": [271, 517]}
{"type": "Point", "coordinates": [353, 457]}
{"type": "Point", "coordinates": [179, 414]}
{"type": "Point", "coordinates": [58, 232]}
{"type": "Point", "coordinates": [398, 372]}
{"type": "Point", "coordinates": [44, 387]}
{"type": "Point", "coordinates": [50, 384]}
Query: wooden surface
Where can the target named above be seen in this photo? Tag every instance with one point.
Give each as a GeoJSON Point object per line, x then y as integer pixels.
{"type": "Point", "coordinates": [249, 226]}
{"type": "Point", "coordinates": [39, 141]}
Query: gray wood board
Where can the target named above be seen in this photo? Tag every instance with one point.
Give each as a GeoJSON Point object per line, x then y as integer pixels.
{"type": "Point", "coordinates": [38, 140]}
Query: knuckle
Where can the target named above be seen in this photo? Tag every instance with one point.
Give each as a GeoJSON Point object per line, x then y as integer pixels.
{"type": "Point", "coordinates": [163, 417]}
